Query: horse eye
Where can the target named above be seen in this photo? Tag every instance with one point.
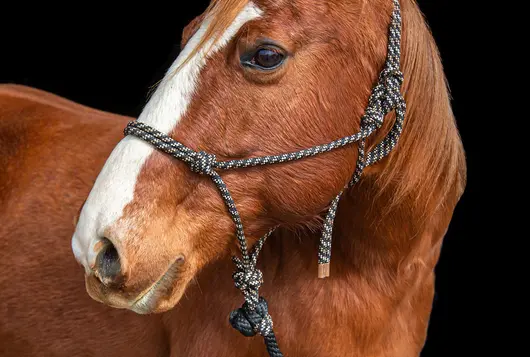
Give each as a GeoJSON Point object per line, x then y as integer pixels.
{"type": "Point", "coordinates": [265, 58]}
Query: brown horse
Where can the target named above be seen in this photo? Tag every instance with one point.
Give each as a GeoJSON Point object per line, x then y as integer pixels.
{"type": "Point", "coordinates": [254, 78]}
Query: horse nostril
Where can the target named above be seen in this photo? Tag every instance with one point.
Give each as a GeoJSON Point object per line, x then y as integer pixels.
{"type": "Point", "coordinates": [108, 267]}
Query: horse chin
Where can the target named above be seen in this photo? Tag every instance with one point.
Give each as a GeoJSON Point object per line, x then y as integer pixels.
{"type": "Point", "coordinates": [100, 293]}
{"type": "Point", "coordinates": [150, 304]}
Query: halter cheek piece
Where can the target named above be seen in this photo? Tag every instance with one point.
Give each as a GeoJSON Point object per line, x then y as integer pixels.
{"type": "Point", "coordinates": [253, 317]}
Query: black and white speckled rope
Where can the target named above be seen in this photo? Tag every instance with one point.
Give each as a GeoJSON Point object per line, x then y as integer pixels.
{"type": "Point", "coordinates": [253, 316]}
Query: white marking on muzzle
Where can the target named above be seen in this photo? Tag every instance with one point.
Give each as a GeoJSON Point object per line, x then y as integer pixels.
{"type": "Point", "coordinates": [114, 187]}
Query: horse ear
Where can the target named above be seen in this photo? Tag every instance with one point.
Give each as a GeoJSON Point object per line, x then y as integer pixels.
{"type": "Point", "coordinates": [190, 29]}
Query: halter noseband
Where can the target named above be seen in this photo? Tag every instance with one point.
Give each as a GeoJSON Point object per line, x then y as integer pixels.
{"type": "Point", "coordinates": [253, 316]}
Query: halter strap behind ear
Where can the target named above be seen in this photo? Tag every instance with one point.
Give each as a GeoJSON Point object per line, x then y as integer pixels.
{"type": "Point", "coordinates": [385, 97]}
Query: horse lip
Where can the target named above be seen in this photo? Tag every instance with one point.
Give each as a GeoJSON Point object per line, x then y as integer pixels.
{"type": "Point", "coordinates": [97, 291]}
{"type": "Point", "coordinates": [145, 302]}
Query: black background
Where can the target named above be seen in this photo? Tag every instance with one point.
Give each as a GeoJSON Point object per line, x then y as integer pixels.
{"type": "Point", "coordinates": [108, 59]}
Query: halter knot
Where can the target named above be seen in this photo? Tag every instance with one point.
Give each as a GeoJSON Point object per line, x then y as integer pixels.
{"type": "Point", "coordinates": [384, 98]}
{"type": "Point", "coordinates": [250, 321]}
{"type": "Point", "coordinates": [372, 117]}
{"type": "Point", "coordinates": [253, 317]}
{"type": "Point", "coordinates": [248, 279]}
{"type": "Point", "coordinates": [203, 163]}
{"type": "Point", "coordinates": [391, 74]}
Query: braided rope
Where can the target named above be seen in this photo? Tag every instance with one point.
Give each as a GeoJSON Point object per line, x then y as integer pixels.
{"type": "Point", "coordinates": [253, 317]}
{"type": "Point", "coordinates": [324, 249]}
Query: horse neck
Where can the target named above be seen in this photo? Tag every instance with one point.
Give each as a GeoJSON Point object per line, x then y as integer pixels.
{"type": "Point", "coordinates": [368, 241]}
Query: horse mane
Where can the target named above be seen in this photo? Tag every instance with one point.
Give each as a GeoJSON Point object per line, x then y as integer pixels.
{"type": "Point", "coordinates": [428, 165]}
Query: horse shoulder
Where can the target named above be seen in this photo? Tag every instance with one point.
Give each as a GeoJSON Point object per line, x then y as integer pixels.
{"type": "Point", "coordinates": [51, 150]}
{"type": "Point", "coordinates": [41, 132]}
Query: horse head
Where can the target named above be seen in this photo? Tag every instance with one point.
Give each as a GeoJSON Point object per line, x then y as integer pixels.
{"type": "Point", "coordinates": [257, 78]}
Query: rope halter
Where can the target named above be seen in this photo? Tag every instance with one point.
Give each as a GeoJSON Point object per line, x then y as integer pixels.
{"type": "Point", "coordinates": [253, 317]}
{"type": "Point", "coordinates": [202, 163]}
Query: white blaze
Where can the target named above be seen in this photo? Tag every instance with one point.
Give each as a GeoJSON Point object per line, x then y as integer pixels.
{"type": "Point", "coordinates": [114, 187]}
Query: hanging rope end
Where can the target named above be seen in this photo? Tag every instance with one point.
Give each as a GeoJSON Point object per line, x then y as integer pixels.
{"type": "Point", "coordinates": [323, 270]}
